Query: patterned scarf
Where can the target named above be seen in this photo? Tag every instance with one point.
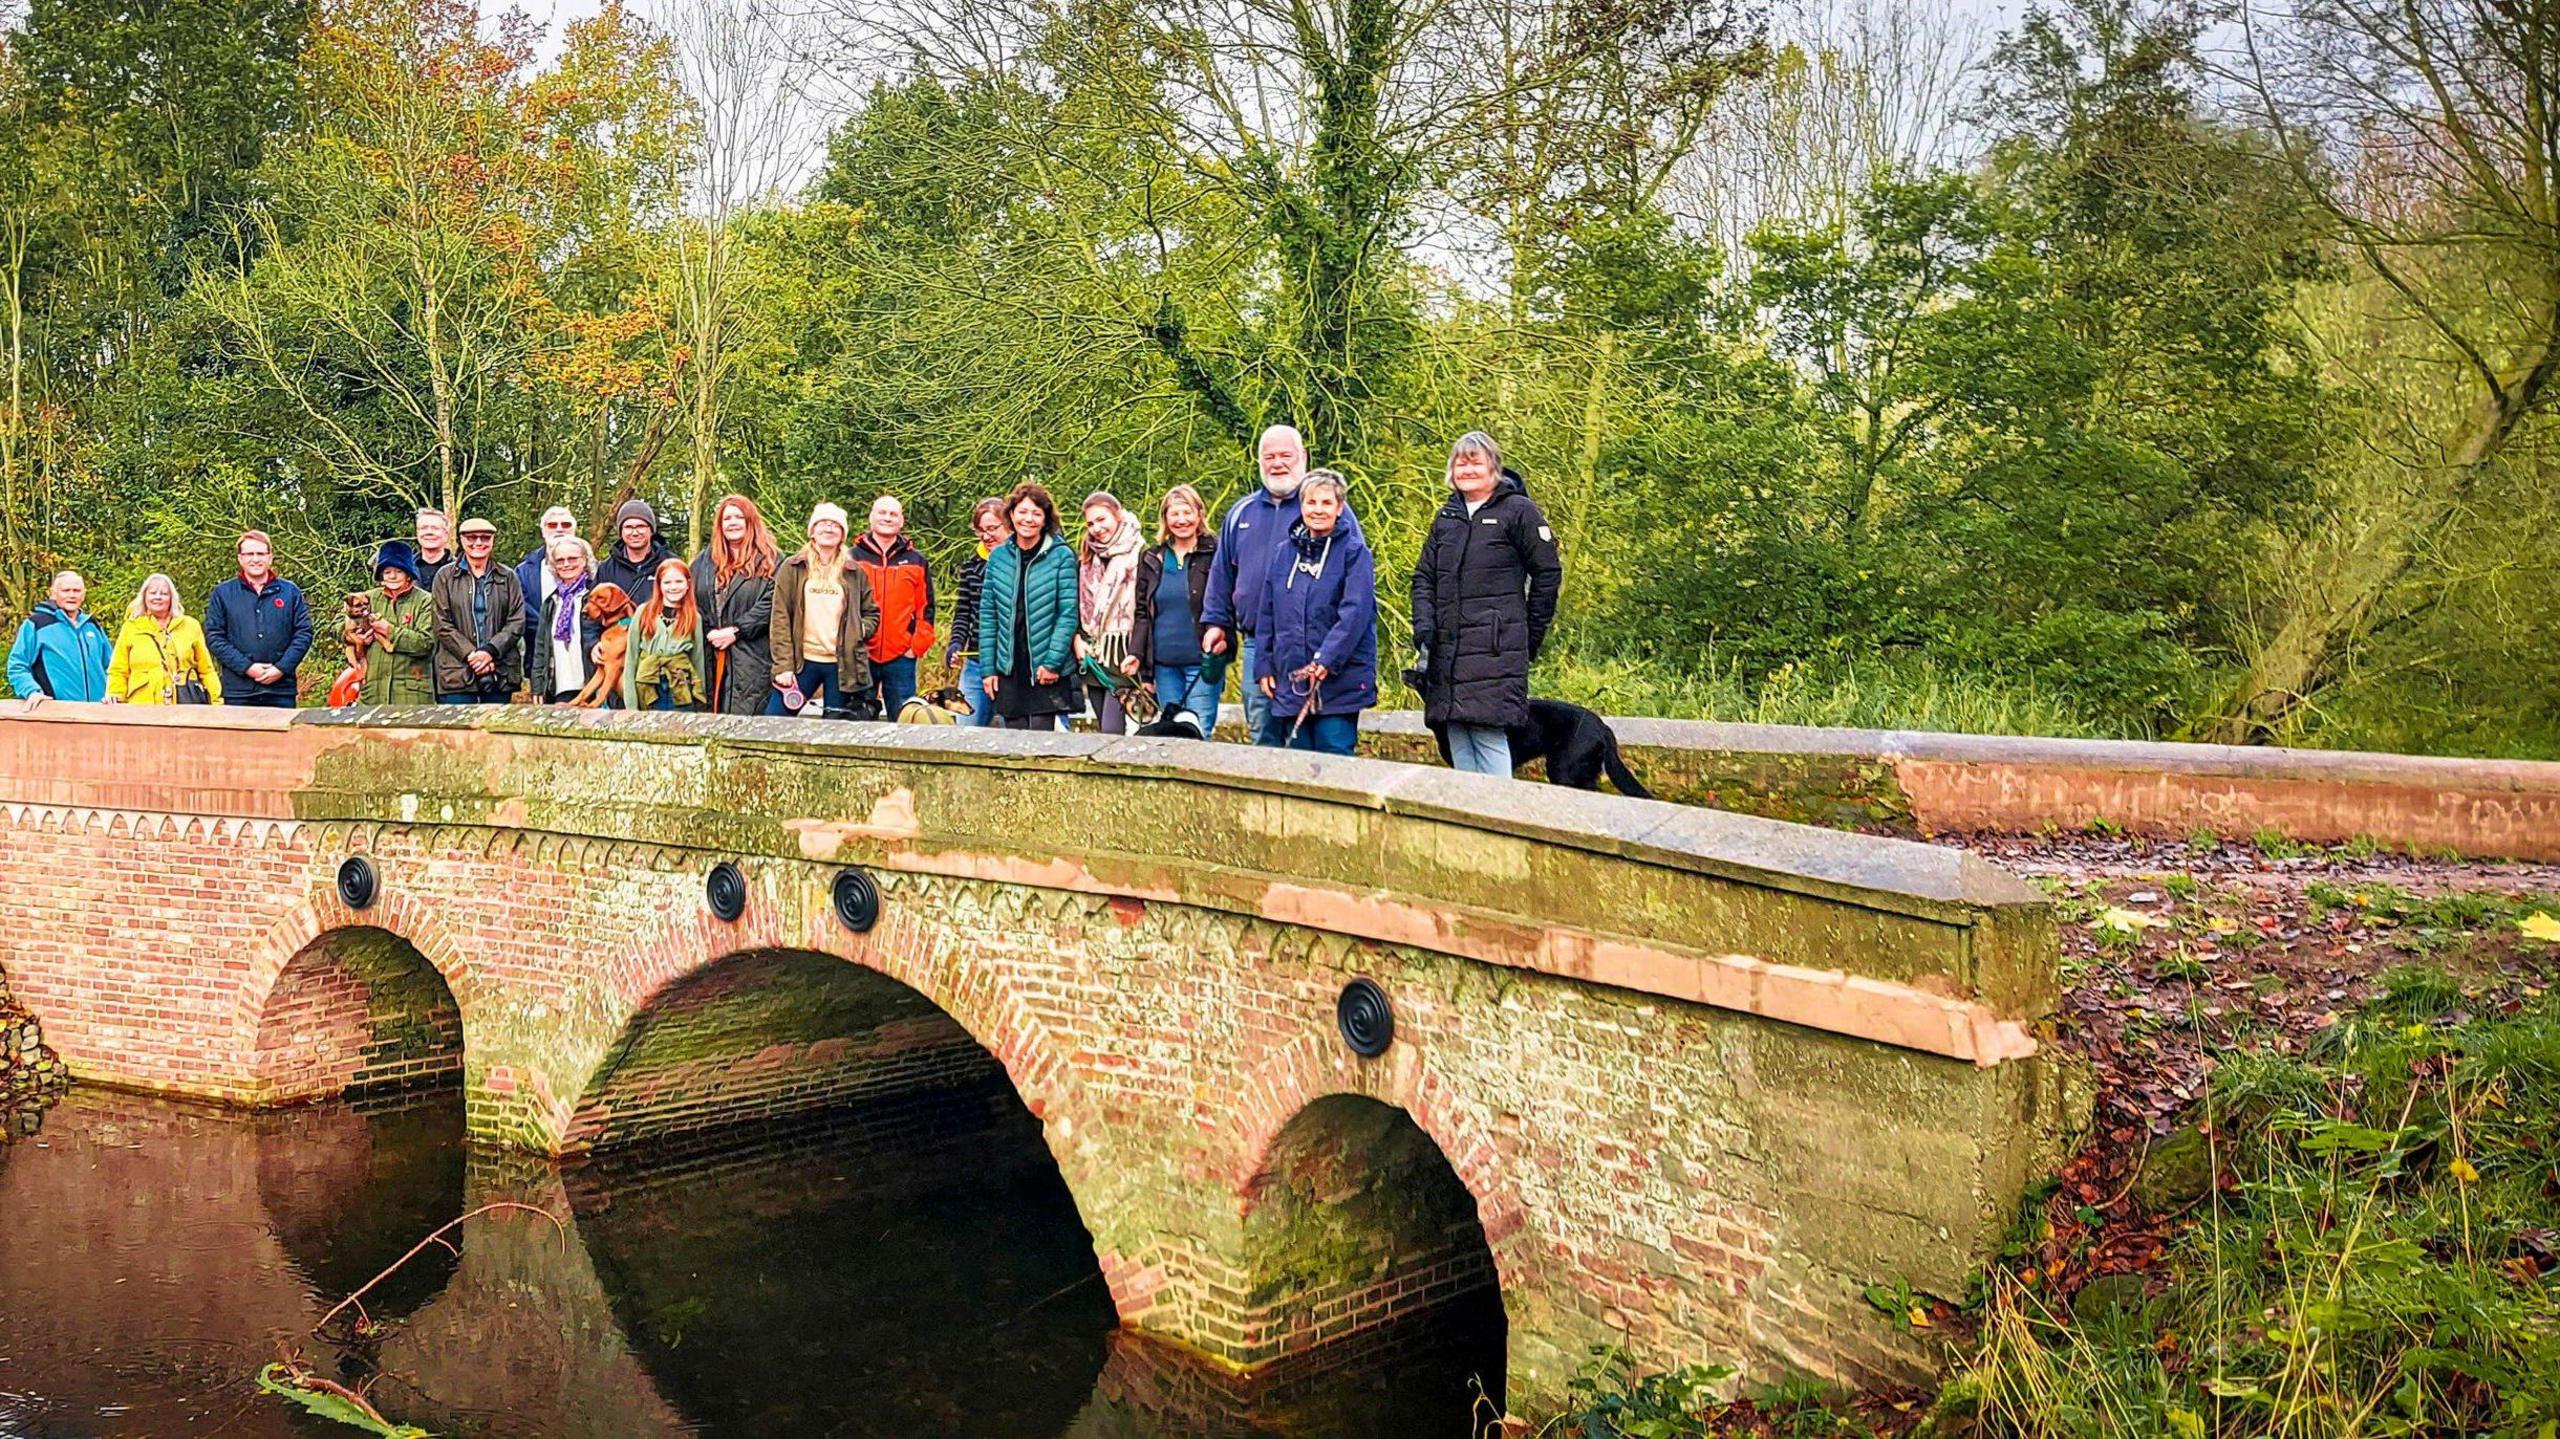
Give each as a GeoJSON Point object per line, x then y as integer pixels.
{"type": "Point", "coordinates": [572, 599]}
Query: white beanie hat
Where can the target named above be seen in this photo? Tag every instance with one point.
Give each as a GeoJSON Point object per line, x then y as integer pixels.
{"type": "Point", "coordinates": [829, 510]}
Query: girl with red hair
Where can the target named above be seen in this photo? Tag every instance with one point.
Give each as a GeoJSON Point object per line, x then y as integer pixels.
{"type": "Point", "coordinates": [665, 669]}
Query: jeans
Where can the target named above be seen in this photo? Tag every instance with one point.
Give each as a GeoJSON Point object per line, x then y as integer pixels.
{"type": "Point", "coordinates": [1257, 710]}
{"type": "Point", "coordinates": [895, 681]}
{"type": "Point", "coordinates": [1190, 687]}
{"type": "Point", "coordinates": [1324, 734]}
{"type": "Point", "coordinates": [820, 686]}
{"type": "Point", "coordinates": [473, 697]}
{"type": "Point", "coordinates": [1480, 749]}
{"type": "Point", "coordinates": [973, 683]}
{"type": "Point", "coordinates": [264, 702]}
{"type": "Point", "coordinates": [663, 699]}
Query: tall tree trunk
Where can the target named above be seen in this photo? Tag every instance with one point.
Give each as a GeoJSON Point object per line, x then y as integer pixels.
{"type": "Point", "coordinates": [2302, 656]}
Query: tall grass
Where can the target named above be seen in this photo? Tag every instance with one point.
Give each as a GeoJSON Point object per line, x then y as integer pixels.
{"type": "Point", "coordinates": [1920, 694]}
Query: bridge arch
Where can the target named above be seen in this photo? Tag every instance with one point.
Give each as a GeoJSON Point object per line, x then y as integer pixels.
{"type": "Point", "coordinates": [339, 1001]}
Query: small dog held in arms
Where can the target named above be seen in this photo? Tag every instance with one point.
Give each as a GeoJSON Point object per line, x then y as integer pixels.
{"type": "Point", "coordinates": [1577, 745]}
{"type": "Point", "coordinates": [610, 608]}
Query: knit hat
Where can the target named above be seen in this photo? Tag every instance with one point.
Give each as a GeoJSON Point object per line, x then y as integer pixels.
{"type": "Point", "coordinates": [396, 555]}
{"type": "Point", "coordinates": [635, 510]}
{"type": "Point", "coordinates": [829, 510]}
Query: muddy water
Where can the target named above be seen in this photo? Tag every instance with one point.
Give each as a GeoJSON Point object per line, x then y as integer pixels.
{"type": "Point", "coordinates": [909, 1271]}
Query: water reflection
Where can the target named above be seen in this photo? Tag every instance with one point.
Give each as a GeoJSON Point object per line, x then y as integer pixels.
{"type": "Point", "coordinates": [912, 1269]}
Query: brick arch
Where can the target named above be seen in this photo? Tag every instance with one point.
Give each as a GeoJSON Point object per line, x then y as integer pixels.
{"type": "Point", "coordinates": [1317, 1066]}
{"type": "Point", "coordinates": [790, 912]}
{"type": "Point", "coordinates": [306, 933]}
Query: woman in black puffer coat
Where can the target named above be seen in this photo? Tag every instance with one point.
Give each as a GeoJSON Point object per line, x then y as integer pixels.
{"type": "Point", "coordinates": [1484, 594]}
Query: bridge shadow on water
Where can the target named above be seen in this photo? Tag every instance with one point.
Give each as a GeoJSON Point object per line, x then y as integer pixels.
{"type": "Point", "coordinates": [911, 1265]}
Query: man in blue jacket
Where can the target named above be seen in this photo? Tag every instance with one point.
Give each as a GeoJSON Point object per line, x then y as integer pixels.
{"type": "Point", "coordinates": [60, 652]}
{"type": "Point", "coordinates": [1256, 527]}
{"type": "Point", "coordinates": [533, 575]}
{"type": "Point", "coordinates": [258, 629]}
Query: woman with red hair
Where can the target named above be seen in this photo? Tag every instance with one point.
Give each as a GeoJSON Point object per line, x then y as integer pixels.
{"type": "Point", "coordinates": [664, 667]}
{"type": "Point", "coordinates": [733, 588]}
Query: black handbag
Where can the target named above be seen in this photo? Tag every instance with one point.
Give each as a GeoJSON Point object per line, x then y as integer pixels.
{"type": "Point", "coordinates": [189, 691]}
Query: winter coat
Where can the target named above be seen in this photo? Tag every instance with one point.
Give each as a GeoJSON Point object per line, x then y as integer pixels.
{"type": "Point", "coordinates": [1142, 633]}
{"type": "Point", "coordinates": [396, 673]}
{"type": "Point", "coordinates": [1320, 606]}
{"type": "Point", "coordinates": [964, 615]}
{"type": "Point", "coordinates": [1256, 527]}
{"type": "Point", "coordinates": [149, 661]}
{"type": "Point", "coordinates": [745, 669]}
{"type": "Point", "coordinates": [1484, 593]}
{"type": "Point", "coordinates": [1107, 582]}
{"type": "Point", "coordinates": [1049, 592]}
{"type": "Point", "coordinates": [861, 620]}
{"type": "Point", "coordinates": [902, 586]}
{"type": "Point", "coordinates": [537, 644]}
{"type": "Point", "coordinates": [639, 581]}
{"type": "Point", "coordinates": [244, 627]}
{"type": "Point", "coordinates": [455, 636]}
{"type": "Point", "coordinates": [59, 656]}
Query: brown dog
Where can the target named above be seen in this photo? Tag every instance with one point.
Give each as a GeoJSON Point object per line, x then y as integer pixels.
{"type": "Point", "coordinates": [355, 628]}
{"type": "Point", "coordinates": [610, 608]}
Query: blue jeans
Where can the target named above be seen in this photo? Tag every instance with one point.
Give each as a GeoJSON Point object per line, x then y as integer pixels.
{"type": "Point", "coordinates": [821, 687]}
{"type": "Point", "coordinates": [1257, 710]}
{"type": "Point", "coordinates": [473, 698]}
{"type": "Point", "coordinates": [1190, 687]}
{"type": "Point", "coordinates": [973, 683]}
{"type": "Point", "coordinates": [1480, 749]}
{"type": "Point", "coordinates": [1324, 734]}
{"type": "Point", "coordinates": [895, 680]}
{"type": "Point", "coordinates": [270, 702]}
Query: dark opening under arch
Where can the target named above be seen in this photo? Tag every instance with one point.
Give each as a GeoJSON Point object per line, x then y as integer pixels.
{"type": "Point", "coordinates": [358, 1011]}
{"type": "Point", "coordinates": [1358, 1229]}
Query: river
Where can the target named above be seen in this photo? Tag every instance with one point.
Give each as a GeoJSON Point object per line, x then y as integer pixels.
{"type": "Point", "coordinates": [909, 1270]}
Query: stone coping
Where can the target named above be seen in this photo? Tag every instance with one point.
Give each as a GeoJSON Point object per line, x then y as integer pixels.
{"type": "Point", "coordinates": [2148, 756]}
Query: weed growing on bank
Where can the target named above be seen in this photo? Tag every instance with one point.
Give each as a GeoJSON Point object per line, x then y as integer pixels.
{"type": "Point", "coordinates": [2377, 1254]}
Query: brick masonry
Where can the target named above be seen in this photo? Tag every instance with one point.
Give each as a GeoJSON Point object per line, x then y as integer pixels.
{"type": "Point", "coordinates": [1690, 1181]}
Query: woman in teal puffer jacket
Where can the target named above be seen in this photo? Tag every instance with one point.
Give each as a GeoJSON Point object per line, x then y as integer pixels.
{"type": "Point", "coordinates": [1027, 616]}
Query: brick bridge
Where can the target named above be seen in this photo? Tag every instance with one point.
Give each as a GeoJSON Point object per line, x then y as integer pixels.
{"type": "Point", "coordinates": [1674, 1079]}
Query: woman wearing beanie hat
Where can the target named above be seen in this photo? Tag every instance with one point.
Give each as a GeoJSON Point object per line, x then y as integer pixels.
{"type": "Point", "coordinates": [404, 632]}
{"type": "Point", "coordinates": [823, 617]}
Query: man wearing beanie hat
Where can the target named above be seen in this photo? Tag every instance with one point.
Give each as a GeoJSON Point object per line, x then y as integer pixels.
{"type": "Point", "coordinates": [637, 552]}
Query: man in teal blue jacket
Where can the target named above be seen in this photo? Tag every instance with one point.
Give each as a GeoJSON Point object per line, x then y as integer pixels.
{"type": "Point", "coordinates": [60, 652]}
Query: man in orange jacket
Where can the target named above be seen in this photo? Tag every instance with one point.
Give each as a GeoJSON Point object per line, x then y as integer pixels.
{"type": "Point", "coordinates": [903, 584]}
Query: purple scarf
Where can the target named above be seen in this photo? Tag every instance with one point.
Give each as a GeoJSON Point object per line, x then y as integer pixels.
{"type": "Point", "coordinates": [571, 601]}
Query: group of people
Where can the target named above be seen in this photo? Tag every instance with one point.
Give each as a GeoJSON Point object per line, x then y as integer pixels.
{"type": "Point", "coordinates": [1284, 588]}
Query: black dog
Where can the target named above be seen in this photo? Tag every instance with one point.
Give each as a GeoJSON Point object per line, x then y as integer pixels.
{"type": "Point", "coordinates": [1577, 745]}
{"type": "Point", "coordinates": [1173, 722]}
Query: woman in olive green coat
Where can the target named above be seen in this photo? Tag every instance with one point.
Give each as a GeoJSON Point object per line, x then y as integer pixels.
{"type": "Point", "coordinates": [404, 633]}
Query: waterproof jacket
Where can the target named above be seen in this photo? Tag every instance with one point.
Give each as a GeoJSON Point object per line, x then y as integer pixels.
{"type": "Point", "coordinates": [455, 636]}
{"type": "Point", "coordinates": [902, 585]}
{"type": "Point", "coordinates": [1484, 593]}
{"type": "Point", "coordinates": [1046, 596]}
{"type": "Point", "coordinates": [744, 670]}
{"type": "Point", "coordinates": [639, 581]}
{"type": "Point", "coordinates": [1142, 635]}
{"type": "Point", "coordinates": [396, 673]}
{"type": "Point", "coordinates": [150, 661]}
{"type": "Point", "coordinates": [1320, 606]}
{"type": "Point", "coordinates": [531, 572]}
{"type": "Point", "coordinates": [964, 615]}
{"type": "Point", "coordinates": [59, 656]}
{"type": "Point", "coordinates": [861, 620]}
{"type": "Point", "coordinates": [1256, 528]}
{"type": "Point", "coordinates": [266, 626]}
{"type": "Point", "coordinates": [537, 647]}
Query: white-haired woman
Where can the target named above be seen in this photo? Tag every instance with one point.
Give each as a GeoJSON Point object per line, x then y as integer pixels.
{"type": "Point", "coordinates": [160, 656]}
{"type": "Point", "coordinates": [1484, 594]}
